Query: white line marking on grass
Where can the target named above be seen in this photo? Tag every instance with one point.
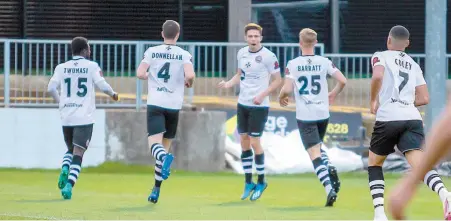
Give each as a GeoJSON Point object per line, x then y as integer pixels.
{"type": "Point", "coordinates": [30, 217]}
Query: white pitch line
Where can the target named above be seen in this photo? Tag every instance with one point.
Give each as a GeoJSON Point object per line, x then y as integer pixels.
{"type": "Point", "coordinates": [30, 217]}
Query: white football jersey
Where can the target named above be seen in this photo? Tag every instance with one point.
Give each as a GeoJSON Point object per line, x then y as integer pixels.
{"type": "Point", "coordinates": [397, 94]}
{"type": "Point", "coordinates": [77, 97]}
{"type": "Point", "coordinates": [310, 86]}
{"type": "Point", "coordinates": [256, 70]}
{"type": "Point", "coordinates": [166, 83]}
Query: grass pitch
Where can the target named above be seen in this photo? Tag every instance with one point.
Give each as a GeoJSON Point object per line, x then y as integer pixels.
{"type": "Point", "coordinates": [115, 191]}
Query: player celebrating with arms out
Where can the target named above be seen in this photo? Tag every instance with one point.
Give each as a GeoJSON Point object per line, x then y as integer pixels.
{"type": "Point", "coordinates": [308, 75]}
{"type": "Point", "coordinates": [170, 69]}
{"type": "Point", "coordinates": [76, 78]}
{"type": "Point", "coordinates": [397, 88]}
{"type": "Point", "coordinates": [256, 65]}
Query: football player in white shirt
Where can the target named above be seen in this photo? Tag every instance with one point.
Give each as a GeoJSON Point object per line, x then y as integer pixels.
{"type": "Point", "coordinates": [307, 74]}
{"type": "Point", "coordinates": [397, 88]}
{"type": "Point", "coordinates": [436, 147]}
{"type": "Point", "coordinates": [256, 66]}
{"type": "Point", "coordinates": [170, 70]}
{"type": "Point", "coordinates": [76, 78]}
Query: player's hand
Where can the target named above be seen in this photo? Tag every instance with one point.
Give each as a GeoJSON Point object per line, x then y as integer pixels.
{"type": "Point", "coordinates": [187, 84]}
{"type": "Point", "coordinates": [115, 97]}
{"type": "Point", "coordinates": [400, 197]}
{"type": "Point", "coordinates": [258, 100]}
{"type": "Point", "coordinates": [374, 107]}
{"type": "Point", "coordinates": [223, 84]}
{"type": "Point", "coordinates": [283, 101]}
{"type": "Point", "coordinates": [332, 97]}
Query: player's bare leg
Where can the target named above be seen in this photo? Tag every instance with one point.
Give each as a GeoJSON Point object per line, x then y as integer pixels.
{"type": "Point", "coordinates": [377, 184]}
{"type": "Point", "coordinates": [322, 173]}
{"type": "Point", "coordinates": [433, 181]}
{"type": "Point", "coordinates": [247, 159]}
{"type": "Point", "coordinates": [74, 173]}
{"type": "Point", "coordinates": [333, 173]}
{"type": "Point", "coordinates": [163, 161]}
{"type": "Point", "coordinates": [260, 167]}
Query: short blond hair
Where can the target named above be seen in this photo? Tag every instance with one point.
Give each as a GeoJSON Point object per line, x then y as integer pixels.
{"type": "Point", "coordinates": [252, 26]}
{"type": "Point", "coordinates": [308, 36]}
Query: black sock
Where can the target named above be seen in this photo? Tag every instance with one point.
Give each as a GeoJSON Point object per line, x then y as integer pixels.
{"type": "Point", "coordinates": [158, 178]}
{"type": "Point", "coordinates": [377, 185]}
{"type": "Point", "coordinates": [322, 173]}
{"type": "Point", "coordinates": [67, 159]}
{"type": "Point", "coordinates": [260, 166]}
{"type": "Point", "coordinates": [247, 158]}
{"type": "Point", "coordinates": [75, 169]}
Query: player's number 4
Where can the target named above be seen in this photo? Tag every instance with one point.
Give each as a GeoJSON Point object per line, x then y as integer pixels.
{"type": "Point", "coordinates": [82, 88]}
{"type": "Point", "coordinates": [164, 72]}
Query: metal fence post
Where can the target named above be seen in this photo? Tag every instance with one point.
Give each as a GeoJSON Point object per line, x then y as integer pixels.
{"type": "Point", "coordinates": [139, 50]}
{"type": "Point", "coordinates": [6, 66]}
{"type": "Point", "coordinates": [192, 50]}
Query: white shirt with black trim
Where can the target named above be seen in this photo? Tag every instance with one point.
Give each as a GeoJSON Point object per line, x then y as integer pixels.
{"type": "Point", "coordinates": [397, 94]}
{"type": "Point", "coordinates": [256, 70]}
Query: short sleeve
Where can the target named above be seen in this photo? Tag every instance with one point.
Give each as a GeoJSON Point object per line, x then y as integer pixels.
{"type": "Point", "coordinates": [187, 58]}
{"type": "Point", "coordinates": [419, 77]}
{"type": "Point", "coordinates": [331, 68]}
{"type": "Point", "coordinates": [272, 64]}
{"type": "Point", "coordinates": [147, 57]}
{"type": "Point", "coordinates": [288, 74]}
{"type": "Point", "coordinates": [56, 74]}
{"type": "Point", "coordinates": [377, 59]}
{"type": "Point", "coordinates": [97, 74]}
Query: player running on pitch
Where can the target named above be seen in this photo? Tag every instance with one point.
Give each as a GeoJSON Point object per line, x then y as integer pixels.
{"type": "Point", "coordinates": [397, 88]}
{"type": "Point", "coordinates": [76, 78]}
{"type": "Point", "coordinates": [306, 75]}
{"type": "Point", "coordinates": [435, 148]}
{"type": "Point", "coordinates": [256, 65]}
{"type": "Point", "coordinates": [170, 69]}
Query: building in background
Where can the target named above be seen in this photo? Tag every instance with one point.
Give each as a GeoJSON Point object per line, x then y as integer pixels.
{"type": "Point", "coordinates": [363, 24]}
{"type": "Point", "coordinates": [203, 20]}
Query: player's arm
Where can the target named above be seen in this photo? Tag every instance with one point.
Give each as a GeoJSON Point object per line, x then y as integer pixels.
{"type": "Point", "coordinates": [188, 68]}
{"type": "Point", "coordinates": [339, 77]}
{"type": "Point", "coordinates": [53, 85]}
{"type": "Point", "coordinates": [274, 70]}
{"type": "Point", "coordinates": [101, 83]}
{"type": "Point", "coordinates": [232, 82]}
{"type": "Point", "coordinates": [287, 87]}
{"type": "Point", "coordinates": [376, 81]}
{"type": "Point", "coordinates": [236, 78]}
{"type": "Point", "coordinates": [285, 92]}
{"type": "Point", "coordinates": [141, 72]}
{"type": "Point", "coordinates": [190, 75]}
{"type": "Point", "coordinates": [341, 83]}
{"type": "Point", "coordinates": [421, 90]}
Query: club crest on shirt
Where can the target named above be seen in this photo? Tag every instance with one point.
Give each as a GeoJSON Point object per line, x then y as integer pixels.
{"type": "Point", "coordinates": [376, 60]}
{"type": "Point", "coordinates": [87, 143]}
{"type": "Point", "coordinates": [258, 59]}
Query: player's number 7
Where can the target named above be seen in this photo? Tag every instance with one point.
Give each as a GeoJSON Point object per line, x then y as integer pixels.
{"type": "Point", "coordinates": [405, 77]}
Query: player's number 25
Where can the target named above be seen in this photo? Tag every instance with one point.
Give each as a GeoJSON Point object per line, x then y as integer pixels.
{"type": "Point", "coordinates": [316, 85]}
{"type": "Point", "coordinates": [82, 88]}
